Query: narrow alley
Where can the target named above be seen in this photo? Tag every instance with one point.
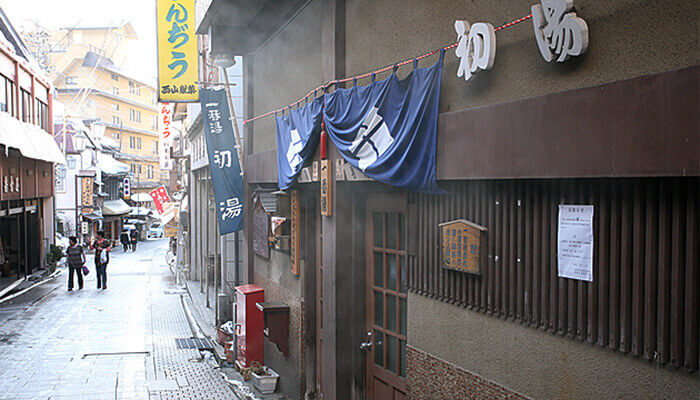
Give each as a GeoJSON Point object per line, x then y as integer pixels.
{"type": "Point", "coordinates": [117, 343]}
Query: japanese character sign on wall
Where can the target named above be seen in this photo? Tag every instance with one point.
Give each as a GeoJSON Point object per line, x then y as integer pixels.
{"type": "Point", "coordinates": [461, 245]}
{"type": "Point", "coordinates": [326, 192]}
{"type": "Point", "coordinates": [295, 253]}
{"type": "Point", "coordinates": [224, 165]}
{"type": "Point", "coordinates": [177, 51]}
{"type": "Point", "coordinates": [559, 33]}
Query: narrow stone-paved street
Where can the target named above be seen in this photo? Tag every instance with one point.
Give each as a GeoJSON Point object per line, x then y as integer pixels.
{"type": "Point", "coordinates": [117, 343]}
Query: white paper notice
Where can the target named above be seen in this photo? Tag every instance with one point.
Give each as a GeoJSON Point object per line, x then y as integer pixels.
{"type": "Point", "coordinates": [575, 244]}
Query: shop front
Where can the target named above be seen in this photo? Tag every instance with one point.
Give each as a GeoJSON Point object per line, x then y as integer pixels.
{"type": "Point", "coordinates": [26, 219]}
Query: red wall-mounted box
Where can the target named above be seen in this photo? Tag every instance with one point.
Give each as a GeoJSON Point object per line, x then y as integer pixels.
{"type": "Point", "coordinates": [249, 325]}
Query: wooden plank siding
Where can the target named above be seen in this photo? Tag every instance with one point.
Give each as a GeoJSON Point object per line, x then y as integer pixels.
{"type": "Point", "coordinates": [643, 299]}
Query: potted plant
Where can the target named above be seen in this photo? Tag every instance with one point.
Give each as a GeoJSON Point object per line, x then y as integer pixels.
{"type": "Point", "coordinates": [264, 378]}
{"type": "Point", "coordinates": [53, 257]}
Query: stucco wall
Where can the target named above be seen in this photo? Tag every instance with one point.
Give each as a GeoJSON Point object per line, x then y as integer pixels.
{"type": "Point", "coordinates": [292, 367]}
{"type": "Point", "coordinates": [628, 38]}
{"type": "Point", "coordinates": [536, 363]}
{"type": "Point", "coordinates": [284, 69]}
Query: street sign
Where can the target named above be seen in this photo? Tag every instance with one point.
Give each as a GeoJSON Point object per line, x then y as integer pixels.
{"type": "Point", "coordinates": [127, 187]}
{"type": "Point", "coordinates": [84, 228]}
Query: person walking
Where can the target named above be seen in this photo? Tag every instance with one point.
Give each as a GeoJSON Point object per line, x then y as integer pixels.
{"type": "Point", "coordinates": [134, 239]}
{"type": "Point", "coordinates": [76, 260]}
{"type": "Point", "coordinates": [125, 239]}
{"type": "Point", "coordinates": [102, 249]}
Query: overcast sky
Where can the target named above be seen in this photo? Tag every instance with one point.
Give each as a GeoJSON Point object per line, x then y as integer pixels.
{"type": "Point", "coordinates": [91, 13]}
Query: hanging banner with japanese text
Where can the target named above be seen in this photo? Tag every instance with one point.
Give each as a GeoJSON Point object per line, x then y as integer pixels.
{"type": "Point", "coordinates": [160, 198]}
{"type": "Point", "coordinates": [165, 136]}
{"type": "Point", "coordinates": [297, 138]}
{"type": "Point", "coordinates": [177, 51]}
{"type": "Point", "coordinates": [388, 129]}
{"type": "Point", "coordinates": [225, 169]}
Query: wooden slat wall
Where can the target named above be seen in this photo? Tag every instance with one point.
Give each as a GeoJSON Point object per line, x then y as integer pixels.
{"type": "Point", "coordinates": [644, 297]}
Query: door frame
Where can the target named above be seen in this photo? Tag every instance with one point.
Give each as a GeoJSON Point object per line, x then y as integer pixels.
{"type": "Point", "coordinates": [396, 202]}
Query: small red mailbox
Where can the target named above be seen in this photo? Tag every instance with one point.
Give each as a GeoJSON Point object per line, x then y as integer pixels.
{"type": "Point", "coordinates": [249, 325]}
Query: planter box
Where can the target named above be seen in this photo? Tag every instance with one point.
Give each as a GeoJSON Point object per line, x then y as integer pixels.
{"type": "Point", "coordinates": [266, 384]}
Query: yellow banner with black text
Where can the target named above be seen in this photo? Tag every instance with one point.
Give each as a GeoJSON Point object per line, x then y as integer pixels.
{"type": "Point", "coordinates": [177, 51]}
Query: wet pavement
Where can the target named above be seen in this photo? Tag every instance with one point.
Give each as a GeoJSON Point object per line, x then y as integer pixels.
{"type": "Point", "coordinates": [117, 343]}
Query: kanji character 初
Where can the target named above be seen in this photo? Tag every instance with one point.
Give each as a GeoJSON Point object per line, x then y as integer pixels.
{"type": "Point", "coordinates": [230, 209]}
{"type": "Point", "coordinates": [222, 158]}
{"type": "Point", "coordinates": [558, 30]}
{"type": "Point", "coordinates": [476, 48]}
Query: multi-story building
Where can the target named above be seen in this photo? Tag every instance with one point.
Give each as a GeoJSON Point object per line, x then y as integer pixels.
{"type": "Point", "coordinates": [27, 158]}
{"type": "Point", "coordinates": [85, 64]}
{"type": "Point", "coordinates": [377, 308]}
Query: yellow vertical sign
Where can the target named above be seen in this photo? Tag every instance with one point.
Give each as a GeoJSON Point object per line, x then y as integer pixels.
{"type": "Point", "coordinates": [177, 51]}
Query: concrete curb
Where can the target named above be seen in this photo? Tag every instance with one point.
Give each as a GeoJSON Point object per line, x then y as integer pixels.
{"type": "Point", "coordinates": [23, 291]}
{"type": "Point", "coordinates": [197, 328]}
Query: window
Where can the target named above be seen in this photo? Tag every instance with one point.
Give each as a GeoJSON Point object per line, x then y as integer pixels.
{"type": "Point", "coordinates": [71, 80]}
{"type": "Point", "coordinates": [115, 135]}
{"type": "Point", "coordinates": [7, 95]}
{"type": "Point", "coordinates": [139, 167]}
{"type": "Point", "coordinates": [116, 120]}
{"type": "Point", "coordinates": [132, 142]}
{"type": "Point", "coordinates": [134, 88]}
{"type": "Point", "coordinates": [115, 106]}
{"type": "Point", "coordinates": [138, 143]}
{"type": "Point", "coordinates": [115, 90]}
{"type": "Point", "coordinates": [115, 77]}
{"type": "Point", "coordinates": [149, 171]}
{"type": "Point", "coordinates": [154, 98]}
{"type": "Point", "coordinates": [135, 115]}
{"type": "Point", "coordinates": [154, 148]}
{"type": "Point", "coordinates": [26, 105]}
{"type": "Point", "coordinates": [132, 168]}
{"type": "Point", "coordinates": [154, 122]}
{"type": "Point", "coordinates": [42, 115]}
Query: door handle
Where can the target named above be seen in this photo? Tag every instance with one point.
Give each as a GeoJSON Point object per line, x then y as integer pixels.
{"type": "Point", "coordinates": [367, 345]}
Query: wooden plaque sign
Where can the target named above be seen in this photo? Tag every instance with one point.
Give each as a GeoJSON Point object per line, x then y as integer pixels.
{"type": "Point", "coordinates": [261, 232]}
{"type": "Point", "coordinates": [296, 240]}
{"type": "Point", "coordinates": [326, 195]}
{"type": "Point", "coordinates": [461, 245]}
{"type": "Point", "coordinates": [86, 193]}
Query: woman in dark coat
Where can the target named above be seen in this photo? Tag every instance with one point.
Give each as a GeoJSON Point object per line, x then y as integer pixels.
{"type": "Point", "coordinates": [134, 239]}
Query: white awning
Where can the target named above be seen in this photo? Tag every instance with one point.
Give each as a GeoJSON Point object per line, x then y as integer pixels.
{"type": "Point", "coordinates": [141, 211]}
{"type": "Point", "coordinates": [29, 139]}
{"type": "Point", "coordinates": [141, 197]}
{"type": "Point", "coordinates": [108, 165]}
{"type": "Point", "coordinates": [115, 207]}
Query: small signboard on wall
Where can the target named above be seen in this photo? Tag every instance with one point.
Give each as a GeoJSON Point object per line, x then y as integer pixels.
{"type": "Point", "coordinates": [261, 231]}
{"type": "Point", "coordinates": [326, 195]}
{"type": "Point", "coordinates": [296, 242]}
{"type": "Point", "coordinates": [461, 245]}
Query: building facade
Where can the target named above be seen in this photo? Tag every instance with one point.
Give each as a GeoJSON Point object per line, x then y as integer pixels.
{"type": "Point", "coordinates": [92, 86]}
{"type": "Point", "coordinates": [26, 168]}
{"type": "Point", "coordinates": [373, 312]}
